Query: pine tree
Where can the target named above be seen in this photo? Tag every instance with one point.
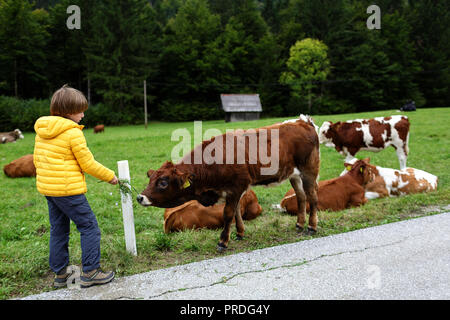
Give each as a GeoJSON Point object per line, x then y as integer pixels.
{"type": "Point", "coordinates": [65, 48]}
{"type": "Point", "coordinates": [23, 37]}
{"type": "Point", "coordinates": [166, 9]}
{"type": "Point", "coordinates": [121, 51]}
{"type": "Point", "coordinates": [271, 12]}
{"type": "Point", "coordinates": [247, 56]}
{"type": "Point", "coordinates": [430, 22]}
{"type": "Point", "coordinates": [375, 69]}
{"type": "Point", "coordinates": [403, 64]}
{"type": "Point", "coordinates": [186, 70]}
{"type": "Point", "coordinates": [243, 45]}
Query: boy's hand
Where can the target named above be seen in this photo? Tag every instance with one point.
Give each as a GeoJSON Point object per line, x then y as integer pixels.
{"type": "Point", "coordinates": [114, 180]}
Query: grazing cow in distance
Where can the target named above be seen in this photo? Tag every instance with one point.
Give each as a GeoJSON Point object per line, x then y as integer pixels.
{"type": "Point", "coordinates": [22, 167]}
{"type": "Point", "coordinates": [336, 194]}
{"type": "Point", "coordinates": [368, 134]}
{"type": "Point", "coordinates": [193, 215]}
{"type": "Point", "coordinates": [99, 128]}
{"type": "Point", "coordinates": [11, 136]}
{"type": "Point", "coordinates": [387, 182]}
{"type": "Point", "coordinates": [273, 154]}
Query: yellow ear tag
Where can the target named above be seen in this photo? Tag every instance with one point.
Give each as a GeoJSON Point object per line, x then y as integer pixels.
{"type": "Point", "coordinates": [349, 168]}
{"type": "Point", "coordinates": [361, 169]}
{"type": "Point", "coordinates": [186, 184]}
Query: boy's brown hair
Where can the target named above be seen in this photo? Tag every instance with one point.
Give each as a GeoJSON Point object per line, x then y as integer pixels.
{"type": "Point", "coordinates": [67, 101]}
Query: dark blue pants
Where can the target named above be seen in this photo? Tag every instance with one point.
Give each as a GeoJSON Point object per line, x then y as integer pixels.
{"type": "Point", "coordinates": [61, 211]}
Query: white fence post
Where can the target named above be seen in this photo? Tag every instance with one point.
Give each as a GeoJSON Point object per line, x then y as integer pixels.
{"type": "Point", "coordinates": [127, 209]}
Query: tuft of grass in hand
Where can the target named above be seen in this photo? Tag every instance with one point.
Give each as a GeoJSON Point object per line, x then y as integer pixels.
{"type": "Point", "coordinates": [125, 187]}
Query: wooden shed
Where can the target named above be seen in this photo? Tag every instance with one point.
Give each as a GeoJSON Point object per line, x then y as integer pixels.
{"type": "Point", "coordinates": [241, 107]}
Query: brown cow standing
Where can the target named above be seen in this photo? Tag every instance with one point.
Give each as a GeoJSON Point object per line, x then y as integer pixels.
{"type": "Point", "coordinates": [99, 128]}
{"type": "Point", "coordinates": [375, 134]}
{"type": "Point", "coordinates": [294, 152]}
{"type": "Point", "coordinates": [22, 167]}
{"type": "Point", "coordinates": [193, 215]}
{"type": "Point", "coordinates": [11, 136]}
{"type": "Point", "coordinates": [336, 194]}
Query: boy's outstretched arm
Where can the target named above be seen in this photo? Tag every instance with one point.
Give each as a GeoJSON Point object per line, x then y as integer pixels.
{"type": "Point", "coordinates": [86, 160]}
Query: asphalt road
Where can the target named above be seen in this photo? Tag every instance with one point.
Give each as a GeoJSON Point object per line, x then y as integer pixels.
{"type": "Point", "coordinates": [403, 260]}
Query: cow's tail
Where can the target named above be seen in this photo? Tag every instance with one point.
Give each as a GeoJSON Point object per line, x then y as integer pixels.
{"type": "Point", "coordinates": [307, 118]}
{"type": "Point", "coordinates": [310, 121]}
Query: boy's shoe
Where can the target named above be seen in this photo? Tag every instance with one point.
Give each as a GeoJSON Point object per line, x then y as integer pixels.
{"type": "Point", "coordinates": [96, 277]}
{"type": "Point", "coordinates": [61, 278]}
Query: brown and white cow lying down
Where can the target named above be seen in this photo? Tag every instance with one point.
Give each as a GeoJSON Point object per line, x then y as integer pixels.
{"type": "Point", "coordinates": [22, 167]}
{"type": "Point", "coordinates": [292, 149]}
{"type": "Point", "coordinates": [336, 194]}
{"type": "Point", "coordinates": [193, 215]}
{"type": "Point", "coordinates": [11, 136]}
{"type": "Point", "coordinates": [386, 182]}
{"type": "Point", "coordinates": [368, 134]}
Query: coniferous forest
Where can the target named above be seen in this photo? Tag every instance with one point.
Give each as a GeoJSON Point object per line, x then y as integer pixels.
{"type": "Point", "coordinates": [191, 51]}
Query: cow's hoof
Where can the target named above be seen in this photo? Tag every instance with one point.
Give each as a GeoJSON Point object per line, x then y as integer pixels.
{"type": "Point", "coordinates": [239, 238]}
{"type": "Point", "coordinates": [299, 229]}
{"type": "Point", "coordinates": [311, 232]}
{"type": "Point", "coordinates": [221, 247]}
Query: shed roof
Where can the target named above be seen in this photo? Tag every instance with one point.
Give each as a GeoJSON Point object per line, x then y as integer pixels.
{"type": "Point", "coordinates": [241, 103]}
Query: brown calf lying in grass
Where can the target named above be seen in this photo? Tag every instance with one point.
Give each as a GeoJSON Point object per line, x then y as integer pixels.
{"type": "Point", "coordinates": [193, 215]}
{"type": "Point", "coordinates": [22, 167]}
{"type": "Point", "coordinates": [336, 194]}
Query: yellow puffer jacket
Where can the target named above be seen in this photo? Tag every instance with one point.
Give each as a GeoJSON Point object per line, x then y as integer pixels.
{"type": "Point", "coordinates": [61, 156]}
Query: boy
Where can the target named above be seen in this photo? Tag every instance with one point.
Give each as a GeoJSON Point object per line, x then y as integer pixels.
{"type": "Point", "coordinates": [61, 157]}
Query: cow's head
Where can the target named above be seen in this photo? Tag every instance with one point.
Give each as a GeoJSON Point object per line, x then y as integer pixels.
{"type": "Point", "coordinates": [326, 133]}
{"type": "Point", "coordinates": [10, 170]}
{"type": "Point", "coordinates": [168, 187]}
{"type": "Point", "coordinates": [362, 168]}
{"type": "Point", "coordinates": [18, 134]}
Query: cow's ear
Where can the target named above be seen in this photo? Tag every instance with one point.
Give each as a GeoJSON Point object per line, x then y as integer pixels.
{"type": "Point", "coordinates": [184, 179]}
{"type": "Point", "coordinates": [187, 180]}
{"type": "Point", "coordinates": [348, 166]}
{"type": "Point", "coordinates": [150, 172]}
{"type": "Point", "coordinates": [332, 129]}
{"type": "Point", "coordinates": [167, 164]}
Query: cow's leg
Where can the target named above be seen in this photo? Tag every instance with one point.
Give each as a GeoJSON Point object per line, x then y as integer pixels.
{"type": "Point", "coordinates": [350, 156]}
{"type": "Point", "coordinates": [348, 153]}
{"type": "Point", "coordinates": [402, 156]}
{"type": "Point", "coordinates": [229, 212]}
{"type": "Point", "coordinates": [239, 222]}
{"type": "Point", "coordinates": [376, 189]}
{"type": "Point", "coordinates": [358, 199]}
{"type": "Point", "coordinates": [311, 187]}
{"type": "Point", "coordinates": [297, 184]}
{"type": "Point", "coordinates": [309, 177]}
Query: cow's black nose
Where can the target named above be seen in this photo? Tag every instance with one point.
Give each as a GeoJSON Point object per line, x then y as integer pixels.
{"type": "Point", "coordinates": [139, 198]}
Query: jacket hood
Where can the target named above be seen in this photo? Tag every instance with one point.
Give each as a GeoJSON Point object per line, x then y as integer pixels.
{"type": "Point", "coordinates": [51, 126]}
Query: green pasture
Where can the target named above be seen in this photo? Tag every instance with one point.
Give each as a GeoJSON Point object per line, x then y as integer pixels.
{"type": "Point", "coordinates": [24, 227]}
